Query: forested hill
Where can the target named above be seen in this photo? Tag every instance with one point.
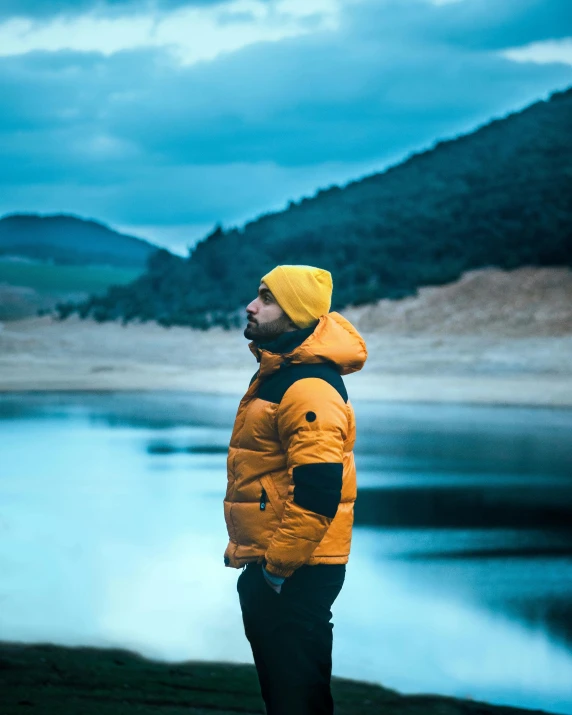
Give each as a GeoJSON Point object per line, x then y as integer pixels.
{"type": "Point", "coordinates": [501, 196]}
{"type": "Point", "coordinates": [68, 240]}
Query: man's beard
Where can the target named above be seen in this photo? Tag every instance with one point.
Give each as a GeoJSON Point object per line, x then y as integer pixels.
{"type": "Point", "coordinates": [266, 332]}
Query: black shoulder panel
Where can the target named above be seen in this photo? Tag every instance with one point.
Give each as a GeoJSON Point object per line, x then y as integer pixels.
{"type": "Point", "coordinates": [274, 387]}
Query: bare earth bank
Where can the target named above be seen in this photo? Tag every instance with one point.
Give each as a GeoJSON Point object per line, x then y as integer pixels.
{"type": "Point", "coordinates": [492, 337]}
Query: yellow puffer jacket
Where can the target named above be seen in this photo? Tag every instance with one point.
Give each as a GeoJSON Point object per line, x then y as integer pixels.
{"type": "Point", "coordinates": [291, 471]}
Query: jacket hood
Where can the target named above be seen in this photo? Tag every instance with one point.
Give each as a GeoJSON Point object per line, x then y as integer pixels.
{"type": "Point", "coordinates": [333, 340]}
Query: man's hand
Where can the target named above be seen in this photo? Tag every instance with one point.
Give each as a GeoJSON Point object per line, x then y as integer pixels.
{"type": "Point", "coordinates": [275, 582]}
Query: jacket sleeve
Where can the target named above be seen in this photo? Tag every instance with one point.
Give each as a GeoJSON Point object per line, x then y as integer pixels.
{"type": "Point", "coordinates": [312, 423]}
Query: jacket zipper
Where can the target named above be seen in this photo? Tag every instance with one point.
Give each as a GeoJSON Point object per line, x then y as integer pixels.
{"type": "Point", "coordinates": [263, 500]}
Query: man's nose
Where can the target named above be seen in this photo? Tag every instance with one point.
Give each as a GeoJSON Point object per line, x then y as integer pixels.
{"type": "Point", "coordinates": [251, 307]}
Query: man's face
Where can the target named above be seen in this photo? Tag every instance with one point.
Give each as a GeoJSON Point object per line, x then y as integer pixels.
{"type": "Point", "coordinates": [266, 319]}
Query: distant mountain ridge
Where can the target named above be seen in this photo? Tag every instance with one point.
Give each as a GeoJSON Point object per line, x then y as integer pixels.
{"type": "Point", "coordinates": [69, 240]}
{"type": "Point", "coordinates": [500, 196]}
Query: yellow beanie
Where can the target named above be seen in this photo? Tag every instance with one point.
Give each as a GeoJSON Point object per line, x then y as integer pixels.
{"type": "Point", "coordinates": [303, 292]}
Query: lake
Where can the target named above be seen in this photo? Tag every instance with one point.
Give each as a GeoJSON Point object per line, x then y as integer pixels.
{"type": "Point", "coordinates": [459, 582]}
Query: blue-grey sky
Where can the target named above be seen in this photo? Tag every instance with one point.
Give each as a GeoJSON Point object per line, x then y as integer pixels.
{"type": "Point", "coordinates": [164, 117]}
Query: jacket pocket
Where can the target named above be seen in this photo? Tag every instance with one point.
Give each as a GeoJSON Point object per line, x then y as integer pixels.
{"type": "Point", "coordinates": [272, 495]}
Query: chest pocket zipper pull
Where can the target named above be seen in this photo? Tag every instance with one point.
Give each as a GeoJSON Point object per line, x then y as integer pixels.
{"type": "Point", "coordinates": [263, 500]}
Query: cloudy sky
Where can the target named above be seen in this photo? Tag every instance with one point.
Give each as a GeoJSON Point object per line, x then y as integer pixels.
{"type": "Point", "coordinates": [165, 117]}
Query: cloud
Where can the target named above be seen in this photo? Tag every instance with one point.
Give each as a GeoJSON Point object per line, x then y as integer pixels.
{"type": "Point", "coordinates": [193, 195]}
{"type": "Point", "coordinates": [41, 9]}
{"type": "Point", "coordinates": [135, 137]}
{"type": "Point", "coordinates": [476, 24]}
{"type": "Point", "coordinates": [549, 52]}
{"type": "Point", "coordinates": [191, 33]}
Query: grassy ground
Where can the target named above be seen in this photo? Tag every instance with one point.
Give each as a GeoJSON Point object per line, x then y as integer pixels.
{"type": "Point", "coordinates": [44, 277]}
{"type": "Point", "coordinates": [53, 680]}
{"type": "Point", "coordinates": [29, 288]}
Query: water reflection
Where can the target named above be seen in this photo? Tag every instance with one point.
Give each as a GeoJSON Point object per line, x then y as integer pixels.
{"type": "Point", "coordinates": [461, 570]}
{"type": "Point", "coordinates": [170, 448]}
{"type": "Point", "coordinates": [469, 506]}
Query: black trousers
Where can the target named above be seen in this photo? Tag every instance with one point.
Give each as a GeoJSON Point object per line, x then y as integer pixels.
{"type": "Point", "coordinates": [291, 636]}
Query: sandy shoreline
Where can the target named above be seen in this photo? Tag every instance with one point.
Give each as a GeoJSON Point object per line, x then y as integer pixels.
{"type": "Point", "coordinates": [549, 391]}
{"type": "Point", "coordinates": [41, 354]}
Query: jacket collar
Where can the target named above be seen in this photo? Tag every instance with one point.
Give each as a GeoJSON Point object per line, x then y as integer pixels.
{"type": "Point", "coordinates": [333, 340]}
{"type": "Point", "coordinates": [287, 342]}
{"type": "Point", "coordinates": [273, 354]}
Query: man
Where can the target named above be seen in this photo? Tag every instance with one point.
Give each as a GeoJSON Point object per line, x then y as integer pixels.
{"type": "Point", "coordinates": [292, 486]}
